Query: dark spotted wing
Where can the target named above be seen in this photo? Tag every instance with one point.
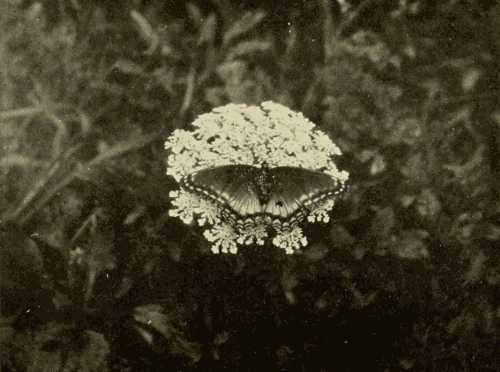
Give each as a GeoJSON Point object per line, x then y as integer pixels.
{"type": "Point", "coordinates": [232, 186]}
{"type": "Point", "coordinates": [296, 191]}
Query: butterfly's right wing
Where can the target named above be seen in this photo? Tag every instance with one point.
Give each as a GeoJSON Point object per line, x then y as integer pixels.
{"type": "Point", "coordinates": [231, 186]}
{"type": "Point", "coordinates": [297, 191]}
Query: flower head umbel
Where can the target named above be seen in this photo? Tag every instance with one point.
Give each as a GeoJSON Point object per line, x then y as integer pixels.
{"type": "Point", "coordinates": [243, 202]}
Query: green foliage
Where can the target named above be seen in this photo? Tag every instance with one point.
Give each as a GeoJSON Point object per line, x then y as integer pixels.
{"type": "Point", "coordinates": [96, 277]}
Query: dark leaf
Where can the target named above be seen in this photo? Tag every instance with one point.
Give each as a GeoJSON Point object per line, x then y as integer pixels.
{"type": "Point", "coordinates": [316, 252]}
{"type": "Point", "coordinates": [340, 236]}
{"type": "Point", "coordinates": [410, 245]}
{"type": "Point", "coordinates": [383, 223]}
{"type": "Point", "coordinates": [128, 67]}
{"type": "Point", "coordinates": [153, 316]}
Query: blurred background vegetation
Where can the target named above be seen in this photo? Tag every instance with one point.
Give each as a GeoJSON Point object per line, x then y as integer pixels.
{"type": "Point", "coordinates": [96, 277]}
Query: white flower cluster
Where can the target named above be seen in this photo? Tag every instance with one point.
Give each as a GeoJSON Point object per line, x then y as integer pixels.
{"type": "Point", "coordinates": [250, 135]}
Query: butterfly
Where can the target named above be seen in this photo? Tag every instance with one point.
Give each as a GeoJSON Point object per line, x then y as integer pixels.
{"type": "Point", "coordinates": [245, 192]}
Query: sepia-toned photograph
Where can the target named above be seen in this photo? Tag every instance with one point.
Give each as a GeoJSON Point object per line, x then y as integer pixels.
{"type": "Point", "coordinates": [231, 185]}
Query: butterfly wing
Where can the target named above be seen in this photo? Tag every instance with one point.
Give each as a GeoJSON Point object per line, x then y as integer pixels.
{"type": "Point", "coordinates": [232, 186]}
{"type": "Point", "coordinates": [297, 190]}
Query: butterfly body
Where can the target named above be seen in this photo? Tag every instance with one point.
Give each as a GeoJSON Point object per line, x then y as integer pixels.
{"type": "Point", "coordinates": [246, 192]}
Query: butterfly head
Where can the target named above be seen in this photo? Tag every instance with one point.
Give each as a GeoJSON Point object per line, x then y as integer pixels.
{"type": "Point", "coordinates": [264, 165]}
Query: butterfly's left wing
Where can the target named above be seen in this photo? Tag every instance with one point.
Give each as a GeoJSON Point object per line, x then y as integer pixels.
{"type": "Point", "coordinates": [231, 186]}
{"type": "Point", "coordinates": [296, 191]}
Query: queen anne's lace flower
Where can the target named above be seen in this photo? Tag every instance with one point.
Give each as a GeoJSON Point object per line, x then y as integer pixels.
{"type": "Point", "coordinates": [224, 238]}
{"type": "Point", "coordinates": [320, 213]}
{"type": "Point", "coordinates": [186, 205]}
{"type": "Point", "coordinates": [252, 135]}
{"type": "Point", "coordinates": [290, 240]}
